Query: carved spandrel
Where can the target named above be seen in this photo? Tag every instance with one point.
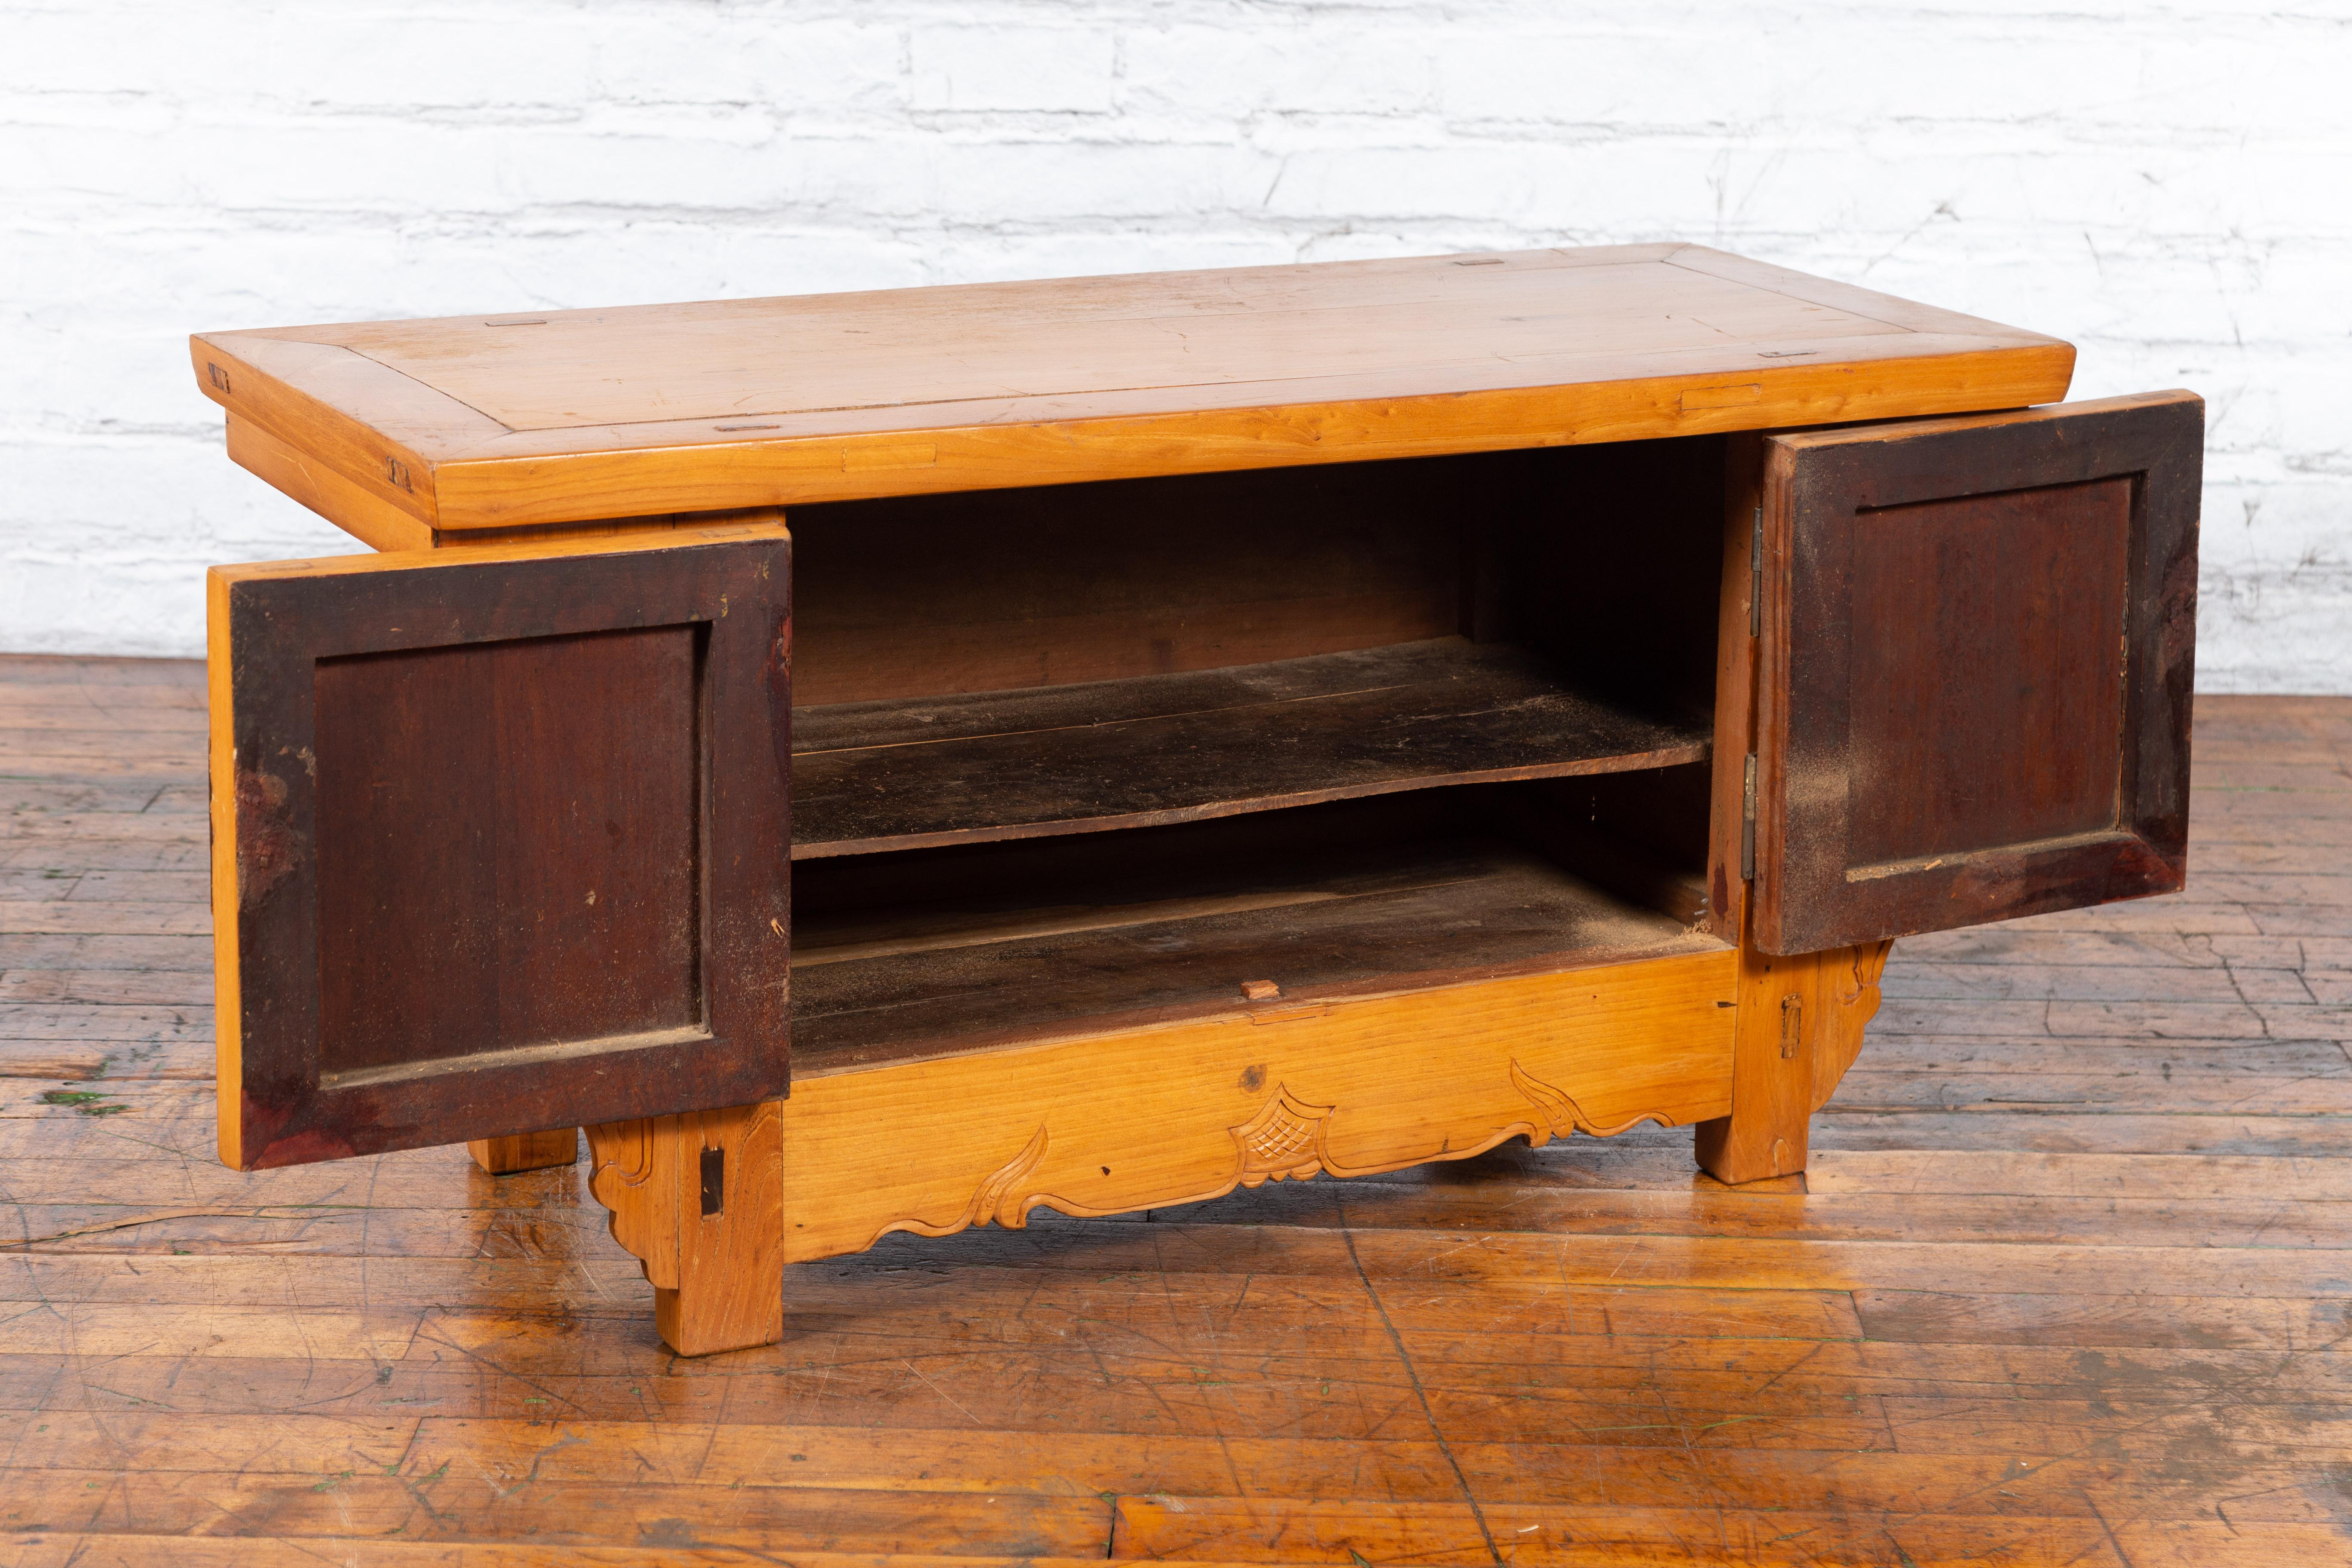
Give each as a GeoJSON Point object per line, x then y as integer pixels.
{"type": "Point", "coordinates": [1849, 1000]}
{"type": "Point", "coordinates": [996, 1198]}
{"type": "Point", "coordinates": [626, 1174]}
{"type": "Point", "coordinates": [1191, 1112]}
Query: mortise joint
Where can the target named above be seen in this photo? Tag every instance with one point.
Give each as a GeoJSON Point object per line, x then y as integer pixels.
{"type": "Point", "coordinates": [1792, 1026]}
{"type": "Point", "coordinates": [714, 1183]}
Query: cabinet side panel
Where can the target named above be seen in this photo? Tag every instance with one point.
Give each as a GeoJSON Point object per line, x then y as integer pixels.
{"type": "Point", "coordinates": [228, 967]}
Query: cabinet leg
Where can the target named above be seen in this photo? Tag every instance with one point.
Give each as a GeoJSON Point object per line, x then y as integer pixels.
{"type": "Point", "coordinates": [1799, 1028]}
{"type": "Point", "coordinates": [1771, 1073]}
{"type": "Point", "coordinates": [525, 1151]}
{"type": "Point", "coordinates": [699, 1198]}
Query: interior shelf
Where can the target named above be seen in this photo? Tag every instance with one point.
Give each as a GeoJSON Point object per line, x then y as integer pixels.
{"type": "Point", "coordinates": [1032, 940]}
{"type": "Point", "coordinates": [1160, 749]}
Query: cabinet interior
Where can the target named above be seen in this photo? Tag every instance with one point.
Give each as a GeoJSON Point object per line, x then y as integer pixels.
{"type": "Point", "coordinates": [1083, 757]}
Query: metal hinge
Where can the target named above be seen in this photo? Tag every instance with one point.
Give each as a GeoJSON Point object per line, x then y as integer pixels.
{"type": "Point", "coordinates": [1747, 819]}
{"type": "Point", "coordinates": [1755, 574]}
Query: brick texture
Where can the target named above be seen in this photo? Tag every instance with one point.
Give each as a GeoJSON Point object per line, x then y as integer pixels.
{"type": "Point", "coordinates": [2168, 186]}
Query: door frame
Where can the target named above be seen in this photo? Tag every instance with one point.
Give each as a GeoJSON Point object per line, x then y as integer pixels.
{"type": "Point", "coordinates": [1810, 893]}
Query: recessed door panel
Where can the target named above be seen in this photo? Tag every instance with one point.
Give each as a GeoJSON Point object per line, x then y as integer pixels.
{"type": "Point", "coordinates": [510, 853]}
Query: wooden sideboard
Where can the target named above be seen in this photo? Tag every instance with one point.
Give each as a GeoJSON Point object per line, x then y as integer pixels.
{"type": "Point", "coordinates": [891, 761]}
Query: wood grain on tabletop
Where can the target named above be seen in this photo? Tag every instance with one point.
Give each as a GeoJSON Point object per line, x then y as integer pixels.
{"type": "Point", "coordinates": [2065, 1281]}
{"type": "Point", "coordinates": [505, 420]}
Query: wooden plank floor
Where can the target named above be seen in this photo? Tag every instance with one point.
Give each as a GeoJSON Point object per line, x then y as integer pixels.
{"type": "Point", "coordinates": [2068, 1283]}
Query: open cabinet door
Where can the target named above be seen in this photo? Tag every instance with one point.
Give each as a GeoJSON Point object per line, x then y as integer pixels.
{"type": "Point", "coordinates": [500, 839]}
{"type": "Point", "coordinates": [1973, 696]}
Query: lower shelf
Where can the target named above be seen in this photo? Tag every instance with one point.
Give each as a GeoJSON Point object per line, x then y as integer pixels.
{"type": "Point", "coordinates": [1017, 943]}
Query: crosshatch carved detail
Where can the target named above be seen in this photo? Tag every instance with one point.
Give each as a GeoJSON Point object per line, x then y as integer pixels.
{"type": "Point", "coordinates": [1562, 1115]}
{"type": "Point", "coordinates": [1283, 1140]}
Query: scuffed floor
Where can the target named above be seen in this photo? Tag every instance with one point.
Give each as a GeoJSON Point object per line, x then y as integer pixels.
{"type": "Point", "coordinates": [2067, 1282]}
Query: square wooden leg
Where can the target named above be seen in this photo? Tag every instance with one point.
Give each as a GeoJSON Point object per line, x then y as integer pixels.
{"type": "Point", "coordinates": [525, 1151]}
{"type": "Point", "coordinates": [1771, 1074]}
{"type": "Point", "coordinates": [1799, 1028]}
{"type": "Point", "coordinates": [699, 1198]}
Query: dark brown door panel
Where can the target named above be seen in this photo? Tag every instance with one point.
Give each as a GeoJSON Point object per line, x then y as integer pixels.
{"type": "Point", "coordinates": [1978, 650]}
{"type": "Point", "coordinates": [502, 840]}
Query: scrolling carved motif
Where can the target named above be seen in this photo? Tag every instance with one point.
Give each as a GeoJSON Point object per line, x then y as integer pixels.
{"type": "Point", "coordinates": [1849, 997]}
{"type": "Point", "coordinates": [995, 1198]}
{"type": "Point", "coordinates": [1562, 1115]}
{"type": "Point", "coordinates": [623, 1175]}
{"type": "Point", "coordinates": [1287, 1140]}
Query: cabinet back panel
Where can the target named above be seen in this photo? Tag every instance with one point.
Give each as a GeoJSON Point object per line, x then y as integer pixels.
{"type": "Point", "coordinates": [1614, 567]}
{"type": "Point", "coordinates": [996, 590]}
{"type": "Point", "coordinates": [507, 852]}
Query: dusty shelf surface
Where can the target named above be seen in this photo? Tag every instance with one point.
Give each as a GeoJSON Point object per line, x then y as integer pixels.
{"type": "Point", "coordinates": [1122, 949]}
{"type": "Point", "coordinates": [1160, 749]}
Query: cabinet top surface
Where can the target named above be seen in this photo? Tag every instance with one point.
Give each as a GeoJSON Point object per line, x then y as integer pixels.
{"type": "Point", "coordinates": [759, 401]}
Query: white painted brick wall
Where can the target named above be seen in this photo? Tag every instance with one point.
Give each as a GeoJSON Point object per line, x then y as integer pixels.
{"type": "Point", "coordinates": [2168, 186]}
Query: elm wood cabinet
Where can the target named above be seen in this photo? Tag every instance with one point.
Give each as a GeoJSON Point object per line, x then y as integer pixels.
{"type": "Point", "coordinates": [886, 761]}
